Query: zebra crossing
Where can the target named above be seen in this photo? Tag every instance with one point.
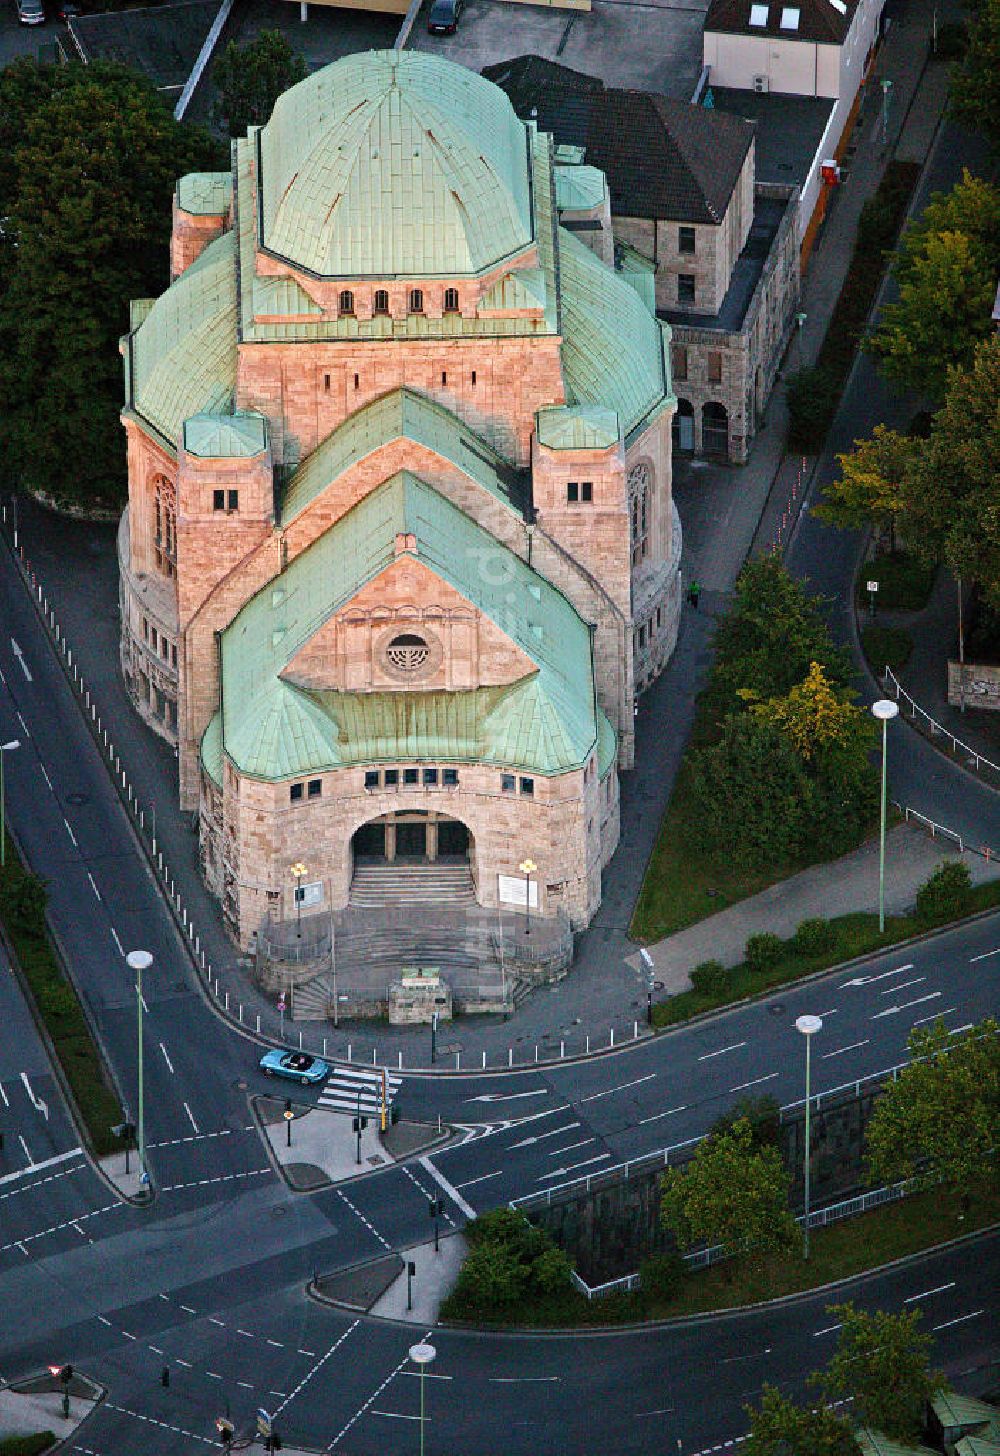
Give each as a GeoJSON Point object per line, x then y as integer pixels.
{"type": "Point", "coordinates": [346, 1085]}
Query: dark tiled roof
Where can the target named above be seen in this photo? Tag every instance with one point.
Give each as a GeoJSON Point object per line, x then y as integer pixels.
{"type": "Point", "coordinates": [663, 158]}
{"type": "Point", "coordinates": [825, 21]}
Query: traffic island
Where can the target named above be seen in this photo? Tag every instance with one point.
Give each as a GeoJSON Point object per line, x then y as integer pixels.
{"type": "Point", "coordinates": [39, 1413]}
{"type": "Point", "coordinates": [314, 1147]}
{"type": "Point", "coordinates": [410, 1287]}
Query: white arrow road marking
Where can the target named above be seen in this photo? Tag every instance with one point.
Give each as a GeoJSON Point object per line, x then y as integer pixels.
{"type": "Point", "coordinates": [560, 1172]}
{"type": "Point", "coordinates": [37, 1103]}
{"type": "Point", "coordinates": [894, 1010]}
{"type": "Point", "coordinates": [15, 648]}
{"type": "Point", "coordinates": [508, 1096]}
{"type": "Point", "coordinates": [870, 980]}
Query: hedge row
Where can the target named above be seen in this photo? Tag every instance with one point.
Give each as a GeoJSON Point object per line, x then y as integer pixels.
{"type": "Point", "coordinates": [27, 1445]}
{"type": "Point", "coordinates": [814, 393]}
{"type": "Point", "coordinates": [22, 912]}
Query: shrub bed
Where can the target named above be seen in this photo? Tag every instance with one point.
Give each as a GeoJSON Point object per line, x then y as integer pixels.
{"type": "Point", "coordinates": [904, 583]}
{"type": "Point", "coordinates": [32, 1445]}
{"type": "Point", "coordinates": [886, 647]}
{"type": "Point", "coordinates": [22, 911]}
{"type": "Point", "coordinates": [814, 393]}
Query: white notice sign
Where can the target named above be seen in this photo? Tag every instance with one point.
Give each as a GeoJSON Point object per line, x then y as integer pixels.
{"type": "Point", "coordinates": [873, 586]}
{"type": "Point", "coordinates": [512, 891]}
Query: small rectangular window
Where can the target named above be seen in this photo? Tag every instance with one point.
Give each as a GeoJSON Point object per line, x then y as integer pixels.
{"type": "Point", "coordinates": [528, 787]}
{"type": "Point", "coordinates": [790, 17]}
{"type": "Point", "coordinates": [315, 788]}
{"type": "Point", "coordinates": [685, 288]}
{"type": "Point", "coordinates": [173, 657]}
{"type": "Point", "coordinates": [572, 491]}
{"type": "Point", "coordinates": [642, 636]}
{"type": "Point", "coordinates": [449, 777]}
{"type": "Point", "coordinates": [295, 793]}
{"type": "Point", "coordinates": [685, 239]}
{"type": "Point", "coordinates": [680, 361]}
{"type": "Point", "coordinates": [586, 491]}
{"type": "Point", "coordinates": [714, 360]}
{"type": "Point", "coordinates": [430, 777]}
{"type": "Point", "coordinates": [508, 783]}
{"type": "Point", "coordinates": [473, 378]}
{"type": "Point", "coordinates": [357, 381]}
{"type": "Point", "coordinates": [145, 629]}
{"type": "Point", "coordinates": [326, 383]}
{"type": "Point", "coordinates": [153, 638]}
{"type": "Point", "coordinates": [218, 500]}
{"type": "Point", "coordinates": [233, 500]}
{"type": "Point", "coordinates": [391, 778]}
{"type": "Point", "coordinates": [758, 14]}
{"type": "Point", "coordinates": [411, 776]}
{"type": "Point", "coordinates": [371, 778]}
{"type": "Point", "coordinates": [444, 376]}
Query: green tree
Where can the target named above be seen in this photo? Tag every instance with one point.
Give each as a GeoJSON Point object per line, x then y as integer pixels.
{"type": "Point", "coordinates": [870, 488]}
{"type": "Point", "coordinates": [953, 490]}
{"type": "Point", "coordinates": [975, 80]}
{"type": "Point", "coordinates": [95, 171]}
{"type": "Point", "coordinates": [779, 1427]}
{"type": "Point", "coordinates": [734, 1191]}
{"type": "Point", "coordinates": [946, 270]}
{"type": "Point", "coordinates": [250, 78]}
{"type": "Point", "coordinates": [882, 1361]}
{"type": "Point", "coordinates": [939, 1118]}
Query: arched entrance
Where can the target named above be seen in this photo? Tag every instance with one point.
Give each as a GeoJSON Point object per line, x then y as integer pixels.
{"type": "Point", "coordinates": [715, 429]}
{"type": "Point", "coordinates": [683, 426]}
{"type": "Point", "coordinates": [412, 836]}
{"type": "Point", "coordinates": [412, 858]}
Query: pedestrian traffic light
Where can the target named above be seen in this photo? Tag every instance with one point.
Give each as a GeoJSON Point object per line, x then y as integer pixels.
{"type": "Point", "coordinates": [165, 1377]}
{"type": "Point", "coordinates": [66, 1374]}
{"type": "Point", "coordinates": [226, 1430]}
{"type": "Point", "coordinates": [393, 1115]}
{"type": "Point", "coordinates": [360, 1123]}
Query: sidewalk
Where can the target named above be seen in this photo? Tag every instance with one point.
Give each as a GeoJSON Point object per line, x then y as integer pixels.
{"type": "Point", "coordinates": [725, 512]}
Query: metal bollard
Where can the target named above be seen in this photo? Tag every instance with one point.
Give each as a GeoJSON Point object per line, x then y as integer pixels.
{"type": "Point", "coordinates": [612, 1036]}
{"type": "Point", "coordinates": [258, 1027]}
{"type": "Point", "coordinates": [241, 1013]}
{"type": "Point", "coordinates": [510, 1056]}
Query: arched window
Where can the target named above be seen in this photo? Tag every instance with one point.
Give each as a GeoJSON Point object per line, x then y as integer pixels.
{"type": "Point", "coordinates": [416, 300]}
{"type": "Point", "coordinates": [346, 301]}
{"type": "Point", "coordinates": [381, 303]}
{"type": "Point", "coordinates": [451, 300]}
{"type": "Point", "coordinates": [638, 491]}
{"type": "Point", "coordinates": [165, 524]}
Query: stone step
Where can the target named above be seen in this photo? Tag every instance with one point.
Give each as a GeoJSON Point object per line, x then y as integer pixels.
{"type": "Point", "coordinates": [313, 999]}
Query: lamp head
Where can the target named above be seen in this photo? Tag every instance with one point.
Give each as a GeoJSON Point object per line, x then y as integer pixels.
{"type": "Point", "coordinates": [422, 1354]}
{"type": "Point", "coordinates": [9, 747]}
{"type": "Point", "coordinates": [809, 1025]}
{"type": "Point", "coordinates": [139, 960]}
{"type": "Point", "coordinates": [885, 710]}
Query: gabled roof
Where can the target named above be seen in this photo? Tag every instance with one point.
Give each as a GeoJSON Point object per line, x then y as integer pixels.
{"type": "Point", "coordinates": [663, 158]}
{"type": "Point", "coordinates": [824, 21]}
{"type": "Point", "coordinates": [546, 723]}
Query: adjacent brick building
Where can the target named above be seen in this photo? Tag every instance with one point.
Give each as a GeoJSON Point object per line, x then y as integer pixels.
{"type": "Point", "coordinates": [400, 548]}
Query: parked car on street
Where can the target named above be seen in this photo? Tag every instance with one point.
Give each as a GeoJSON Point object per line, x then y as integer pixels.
{"type": "Point", "coordinates": [296, 1066]}
{"type": "Point", "coordinates": [31, 12]}
{"type": "Point", "coordinates": [443, 18]}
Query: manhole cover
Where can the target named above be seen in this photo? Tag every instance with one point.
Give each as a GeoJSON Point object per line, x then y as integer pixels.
{"type": "Point", "coordinates": [78, 798]}
{"type": "Point", "coordinates": [778, 1009]}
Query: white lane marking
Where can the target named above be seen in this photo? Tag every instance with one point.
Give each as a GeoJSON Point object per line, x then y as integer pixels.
{"type": "Point", "coordinates": [222, 1178]}
{"type": "Point", "coordinates": [188, 1310]}
{"type": "Point", "coordinates": [55, 1228]}
{"type": "Point", "coordinates": [80, 1231]}
{"type": "Point", "coordinates": [985, 956]}
{"type": "Point", "coordinates": [427, 1375]}
{"type": "Point", "coordinates": [891, 990]}
{"type": "Point", "coordinates": [45, 1163]}
{"type": "Point", "coordinates": [827, 1330]}
{"type": "Point", "coordinates": [31, 1162]}
{"type": "Point", "coordinates": [191, 1116]}
{"type": "Point", "coordinates": [957, 1031]}
{"type": "Point", "coordinates": [371, 1399]}
{"type": "Point", "coordinates": [841, 1050]}
{"type": "Point", "coordinates": [128, 1334]}
{"type": "Point", "coordinates": [16, 649]}
{"type": "Point", "coordinates": [245, 1333]}
{"type": "Point", "coordinates": [524, 1379]}
{"type": "Point", "coordinates": [276, 1343]}
{"type": "Point", "coordinates": [883, 975]}
{"type": "Point", "coordinates": [69, 831]}
{"type": "Point", "coordinates": [144, 1005]}
{"type": "Point", "coordinates": [320, 1362]}
{"type": "Point", "coordinates": [23, 725]}
{"type": "Point", "coordinates": [396, 1416]}
{"type": "Point", "coordinates": [583, 1143]}
{"type": "Point", "coordinates": [923, 1020]}
{"type": "Point", "coordinates": [114, 935]}
{"type": "Point", "coordinates": [960, 1320]}
{"type": "Point", "coordinates": [163, 1425]}
{"type": "Point", "coordinates": [93, 885]}
{"type": "Point", "coordinates": [37, 1102]}
{"type": "Point", "coordinates": [657, 1115]}
{"type": "Point", "coordinates": [722, 1050]}
{"type": "Point", "coordinates": [756, 1082]}
{"type": "Point", "coordinates": [3, 1094]}
{"type": "Point", "coordinates": [185, 1363]}
{"type": "Point", "coordinates": [832, 1012]}
{"type": "Point", "coordinates": [559, 1172]}
{"type": "Point", "coordinates": [552, 1132]}
{"type": "Point", "coordinates": [213, 1375]}
{"type": "Point", "coordinates": [189, 1138]}
{"type": "Point", "coordinates": [426, 1192]}
{"type": "Point", "coordinates": [895, 1010]}
{"type": "Point", "coordinates": [104, 1320]}
{"type": "Point", "coordinates": [213, 1321]}
{"type": "Point", "coordinates": [369, 1226]}
{"type": "Point", "coordinates": [245, 1384]}
{"type": "Point", "coordinates": [169, 1063]}
{"type": "Point", "coordinates": [45, 776]}
{"type": "Point", "coordinates": [156, 1349]}
{"type": "Point", "coordinates": [484, 1178]}
{"type": "Point", "coordinates": [596, 1096]}
{"type": "Point", "coordinates": [451, 1191]}
{"type": "Point", "coordinates": [926, 1294]}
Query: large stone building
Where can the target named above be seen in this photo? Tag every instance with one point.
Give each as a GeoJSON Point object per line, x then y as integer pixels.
{"type": "Point", "coordinates": [400, 549]}
{"type": "Point", "coordinates": [684, 200]}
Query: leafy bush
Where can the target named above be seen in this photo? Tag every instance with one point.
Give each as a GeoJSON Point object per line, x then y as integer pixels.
{"type": "Point", "coordinates": [709, 978]}
{"type": "Point", "coordinates": [763, 950]}
{"type": "Point", "coordinates": [762, 1113]}
{"type": "Point", "coordinates": [812, 402]}
{"type": "Point", "coordinates": [509, 1260]}
{"type": "Point", "coordinates": [661, 1275]}
{"type": "Point", "coordinates": [23, 898]}
{"type": "Point", "coordinates": [814, 937]}
{"type": "Point", "coordinates": [904, 582]}
{"type": "Point", "coordinates": [886, 647]}
{"type": "Point", "coordinates": [952, 41]}
{"type": "Point", "coordinates": [946, 894]}
{"type": "Point", "coordinates": [32, 1445]}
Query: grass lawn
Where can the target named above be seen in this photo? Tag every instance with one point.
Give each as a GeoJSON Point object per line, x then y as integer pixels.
{"type": "Point", "coordinates": [886, 647]}
{"type": "Point", "coordinates": [837, 1252]}
{"type": "Point", "coordinates": [904, 583]}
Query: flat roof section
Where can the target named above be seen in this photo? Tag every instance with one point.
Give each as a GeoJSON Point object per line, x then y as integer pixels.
{"type": "Point", "coordinates": [789, 130]}
{"type": "Point", "coordinates": [161, 42]}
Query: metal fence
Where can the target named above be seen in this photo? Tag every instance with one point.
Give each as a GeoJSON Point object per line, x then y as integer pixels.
{"type": "Point", "coordinates": [922, 719]}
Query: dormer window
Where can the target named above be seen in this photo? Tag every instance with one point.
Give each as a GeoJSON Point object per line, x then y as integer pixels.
{"type": "Point", "coordinates": [380, 302]}
{"type": "Point", "coordinates": [451, 300]}
{"type": "Point", "coordinates": [416, 300]}
{"type": "Point", "coordinates": [346, 302]}
{"type": "Point", "coordinates": [758, 15]}
{"type": "Point", "coordinates": [790, 18]}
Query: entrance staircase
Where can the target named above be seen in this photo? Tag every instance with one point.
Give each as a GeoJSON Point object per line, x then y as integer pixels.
{"type": "Point", "coordinates": [379, 886]}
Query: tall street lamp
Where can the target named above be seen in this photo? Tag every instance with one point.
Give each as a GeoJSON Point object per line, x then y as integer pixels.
{"type": "Point", "coordinates": [884, 710]}
{"type": "Point", "coordinates": [808, 1025]}
{"type": "Point", "coordinates": [139, 961]}
{"type": "Point", "coordinates": [422, 1355]}
{"type": "Point", "coordinates": [299, 873]}
{"type": "Point", "coordinates": [4, 748]}
{"type": "Point", "coordinates": [527, 868]}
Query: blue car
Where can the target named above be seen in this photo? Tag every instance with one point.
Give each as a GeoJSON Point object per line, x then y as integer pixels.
{"type": "Point", "coordinates": [298, 1066]}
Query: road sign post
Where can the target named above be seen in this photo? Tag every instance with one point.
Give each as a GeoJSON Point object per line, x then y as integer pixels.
{"type": "Point", "coordinates": [289, 1115]}
{"type": "Point", "coordinates": [872, 589]}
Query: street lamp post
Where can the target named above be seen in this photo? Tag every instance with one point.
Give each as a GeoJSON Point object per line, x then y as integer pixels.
{"type": "Point", "coordinates": [884, 710]}
{"type": "Point", "coordinates": [527, 868]}
{"type": "Point", "coordinates": [422, 1355]}
{"type": "Point", "coordinates": [647, 961]}
{"type": "Point", "coordinates": [808, 1025]}
{"type": "Point", "coordinates": [4, 748]}
{"type": "Point", "coordinates": [299, 873]}
{"type": "Point", "coordinates": [139, 961]}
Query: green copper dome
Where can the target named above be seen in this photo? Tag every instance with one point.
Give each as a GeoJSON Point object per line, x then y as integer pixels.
{"type": "Point", "coordinates": [388, 164]}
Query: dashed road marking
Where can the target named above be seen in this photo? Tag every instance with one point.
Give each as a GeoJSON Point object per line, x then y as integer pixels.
{"type": "Point", "coordinates": [722, 1051]}
{"type": "Point", "coordinates": [426, 1193]}
{"type": "Point", "coordinates": [370, 1401]}
{"type": "Point", "coordinates": [596, 1096]}
{"type": "Point", "coordinates": [222, 1178]}
{"type": "Point", "coordinates": [939, 1289]}
{"type": "Point", "coordinates": [55, 1228]}
{"type": "Point", "coordinates": [166, 1058]}
{"type": "Point", "coordinates": [370, 1227]}
{"type": "Point", "coordinates": [959, 1320]}
{"type": "Point", "coordinates": [163, 1425]}
{"type": "Point", "coordinates": [191, 1116]}
{"type": "Point", "coordinates": [318, 1366]}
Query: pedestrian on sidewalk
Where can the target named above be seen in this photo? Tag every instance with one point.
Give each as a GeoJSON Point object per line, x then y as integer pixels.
{"type": "Point", "coordinates": [693, 593]}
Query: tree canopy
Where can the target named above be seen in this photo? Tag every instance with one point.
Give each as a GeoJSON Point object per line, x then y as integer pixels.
{"type": "Point", "coordinates": [250, 78]}
{"type": "Point", "coordinates": [975, 80]}
{"type": "Point", "coordinates": [881, 1360]}
{"type": "Point", "coordinates": [870, 488]}
{"type": "Point", "coordinates": [87, 228]}
{"type": "Point", "coordinates": [779, 1427]}
{"type": "Point", "coordinates": [939, 1118]}
{"type": "Point", "coordinates": [946, 270]}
